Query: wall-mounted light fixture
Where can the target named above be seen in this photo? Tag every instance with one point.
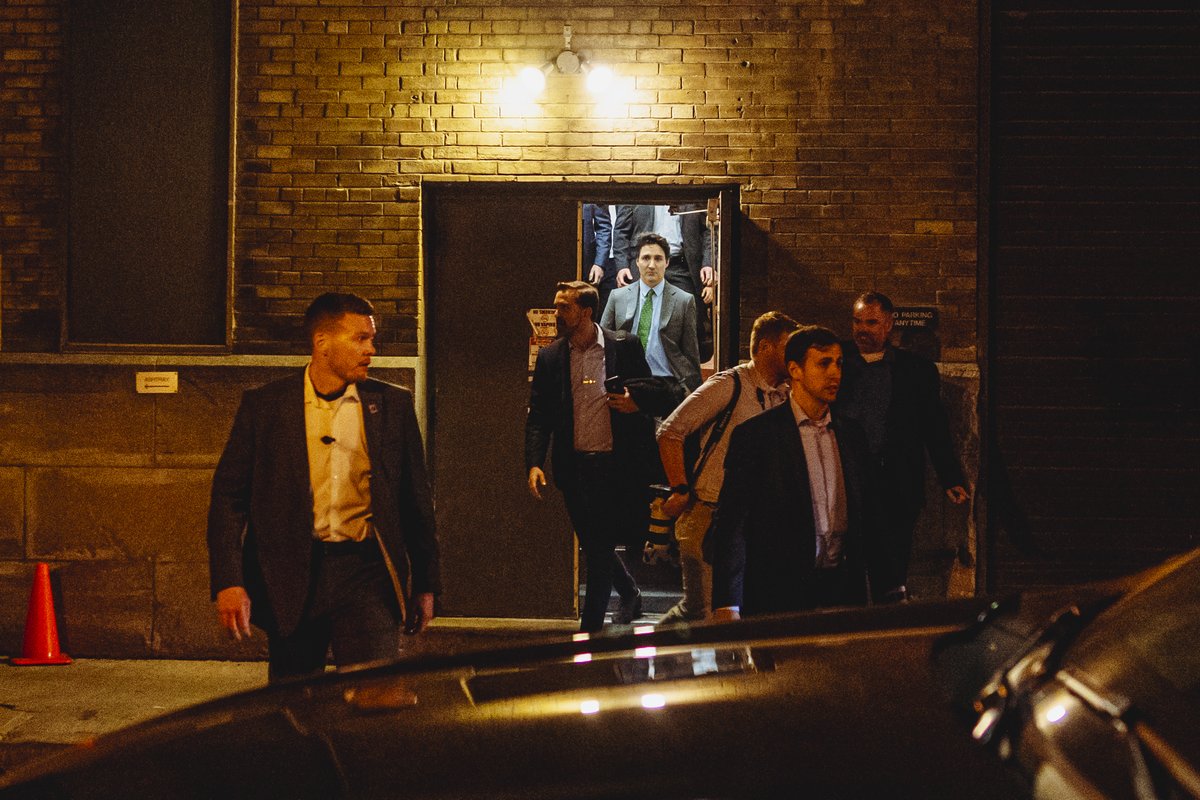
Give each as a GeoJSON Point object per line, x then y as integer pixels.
{"type": "Point", "coordinates": [599, 78]}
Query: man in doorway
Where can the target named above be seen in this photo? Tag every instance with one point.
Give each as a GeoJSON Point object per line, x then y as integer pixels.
{"type": "Point", "coordinates": [751, 388]}
{"type": "Point", "coordinates": [662, 316]}
{"type": "Point", "coordinates": [598, 262]}
{"type": "Point", "coordinates": [321, 506]}
{"type": "Point", "coordinates": [895, 396]}
{"type": "Point", "coordinates": [690, 254]}
{"type": "Point", "coordinates": [600, 444]}
{"type": "Point", "coordinates": [795, 523]}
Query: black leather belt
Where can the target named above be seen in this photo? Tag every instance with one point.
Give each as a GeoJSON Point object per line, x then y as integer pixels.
{"type": "Point", "coordinates": [365, 547]}
{"type": "Point", "coordinates": [590, 454]}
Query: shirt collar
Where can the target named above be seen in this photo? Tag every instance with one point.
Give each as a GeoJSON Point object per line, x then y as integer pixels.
{"type": "Point", "coordinates": [761, 383]}
{"type": "Point", "coordinates": [888, 356]}
{"type": "Point", "coordinates": [656, 289]}
{"type": "Point", "coordinates": [802, 417]}
{"type": "Point", "coordinates": [598, 342]}
{"type": "Point", "coordinates": [310, 393]}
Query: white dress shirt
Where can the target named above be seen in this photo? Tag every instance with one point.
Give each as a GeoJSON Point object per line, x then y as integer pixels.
{"type": "Point", "coordinates": [339, 466]}
{"type": "Point", "coordinates": [826, 484]}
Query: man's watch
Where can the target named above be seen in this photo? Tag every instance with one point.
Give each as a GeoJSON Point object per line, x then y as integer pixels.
{"type": "Point", "coordinates": [681, 488]}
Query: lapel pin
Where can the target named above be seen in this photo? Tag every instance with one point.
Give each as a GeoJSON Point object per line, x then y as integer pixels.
{"type": "Point", "coordinates": [374, 409]}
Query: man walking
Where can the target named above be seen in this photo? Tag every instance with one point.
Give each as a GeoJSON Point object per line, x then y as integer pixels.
{"type": "Point", "coordinates": [721, 403]}
{"type": "Point", "coordinates": [600, 444]}
{"type": "Point", "coordinates": [661, 315]}
{"type": "Point", "coordinates": [796, 526]}
{"type": "Point", "coordinates": [321, 509]}
{"type": "Point", "coordinates": [895, 396]}
{"type": "Point", "coordinates": [690, 254]}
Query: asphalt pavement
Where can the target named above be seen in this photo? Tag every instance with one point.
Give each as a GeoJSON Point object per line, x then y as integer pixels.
{"type": "Point", "coordinates": [46, 709]}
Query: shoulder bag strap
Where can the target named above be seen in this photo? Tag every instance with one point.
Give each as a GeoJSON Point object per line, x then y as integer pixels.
{"type": "Point", "coordinates": [718, 430]}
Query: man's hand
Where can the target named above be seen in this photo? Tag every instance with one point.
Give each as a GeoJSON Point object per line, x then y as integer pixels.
{"type": "Point", "coordinates": [595, 274]}
{"type": "Point", "coordinates": [676, 504]}
{"type": "Point", "coordinates": [625, 277]}
{"type": "Point", "coordinates": [537, 479]}
{"type": "Point", "coordinates": [725, 615]}
{"type": "Point", "coordinates": [233, 612]}
{"type": "Point", "coordinates": [420, 612]}
{"type": "Point", "coordinates": [622, 403]}
{"type": "Point", "coordinates": [708, 280]}
{"type": "Point", "coordinates": [958, 495]}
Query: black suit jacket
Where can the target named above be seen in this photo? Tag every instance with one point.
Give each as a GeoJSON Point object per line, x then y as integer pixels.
{"type": "Point", "coordinates": [916, 424]}
{"type": "Point", "coordinates": [634, 220]}
{"type": "Point", "coordinates": [765, 545]}
{"type": "Point", "coordinates": [260, 519]}
{"type": "Point", "coordinates": [597, 240]}
{"type": "Point", "coordinates": [550, 424]}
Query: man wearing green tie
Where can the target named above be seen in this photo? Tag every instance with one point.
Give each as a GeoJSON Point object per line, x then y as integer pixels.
{"type": "Point", "coordinates": [660, 314]}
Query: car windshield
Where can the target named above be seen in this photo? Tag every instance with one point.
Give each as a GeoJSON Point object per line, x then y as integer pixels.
{"type": "Point", "coordinates": [1146, 650]}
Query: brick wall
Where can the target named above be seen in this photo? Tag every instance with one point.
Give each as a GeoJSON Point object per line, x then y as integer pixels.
{"type": "Point", "coordinates": [32, 179]}
{"type": "Point", "coordinates": [851, 127]}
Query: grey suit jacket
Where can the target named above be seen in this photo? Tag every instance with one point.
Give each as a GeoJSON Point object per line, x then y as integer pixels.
{"type": "Point", "coordinates": [260, 519]}
{"type": "Point", "coordinates": [676, 327]}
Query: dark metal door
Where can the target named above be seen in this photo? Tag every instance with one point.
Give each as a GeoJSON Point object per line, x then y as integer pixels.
{"type": "Point", "coordinates": [493, 252]}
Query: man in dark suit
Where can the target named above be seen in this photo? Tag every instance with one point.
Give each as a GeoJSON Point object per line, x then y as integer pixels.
{"type": "Point", "coordinates": [598, 264]}
{"type": "Point", "coordinates": [661, 315]}
{"type": "Point", "coordinates": [601, 445]}
{"type": "Point", "coordinates": [895, 396]}
{"type": "Point", "coordinates": [796, 524]}
{"type": "Point", "coordinates": [321, 509]}
{"type": "Point", "coordinates": [690, 255]}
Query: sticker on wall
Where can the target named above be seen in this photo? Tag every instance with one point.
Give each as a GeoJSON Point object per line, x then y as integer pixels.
{"type": "Point", "coordinates": [916, 317]}
{"type": "Point", "coordinates": [545, 330]}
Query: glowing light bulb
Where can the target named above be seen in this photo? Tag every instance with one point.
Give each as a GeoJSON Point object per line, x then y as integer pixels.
{"type": "Point", "coordinates": [532, 80]}
{"type": "Point", "coordinates": [599, 80]}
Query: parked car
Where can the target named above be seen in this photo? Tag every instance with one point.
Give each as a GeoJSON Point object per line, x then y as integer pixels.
{"type": "Point", "coordinates": [1085, 692]}
{"type": "Point", "coordinates": [1103, 700]}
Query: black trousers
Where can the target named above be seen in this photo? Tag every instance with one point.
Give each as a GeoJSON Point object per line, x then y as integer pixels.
{"type": "Point", "coordinates": [830, 588]}
{"type": "Point", "coordinates": [604, 510]}
{"type": "Point", "coordinates": [679, 274]}
{"type": "Point", "coordinates": [351, 606]}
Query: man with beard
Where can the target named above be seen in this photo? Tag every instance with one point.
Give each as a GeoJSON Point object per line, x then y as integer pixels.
{"type": "Point", "coordinates": [600, 443]}
{"type": "Point", "coordinates": [895, 396]}
{"type": "Point", "coordinates": [321, 509]}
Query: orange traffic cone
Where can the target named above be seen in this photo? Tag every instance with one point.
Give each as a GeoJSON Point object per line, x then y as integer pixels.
{"type": "Point", "coordinates": [41, 631]}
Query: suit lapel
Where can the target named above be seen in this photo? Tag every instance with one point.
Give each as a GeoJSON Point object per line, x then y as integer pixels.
{"type": "Point", "coordinates": [794, 462]}
{"type": "Point", "coordinates": [794, 465]}
{"type": "Point", "coordinates": [372, 419]}
{"type": "Point", "coordinates": [610, 355]}
{"type": "Point", "coordinates": [565, 374]}
{"type": "Point", "coordinates": [293, 437]}
{"type": "Point", "coordinates": [668, 304]}
{"type": "Point", "coordinates": [625, 322]}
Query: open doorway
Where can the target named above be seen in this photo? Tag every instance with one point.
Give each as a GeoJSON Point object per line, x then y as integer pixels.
{"type": "Point", "coordinates": [493, 253]}
{"type": "Point", "coordinates": [608, 255]}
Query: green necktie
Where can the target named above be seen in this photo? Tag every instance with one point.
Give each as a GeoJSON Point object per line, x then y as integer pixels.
{"type": "Point", "coordinates": [645, 318]}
